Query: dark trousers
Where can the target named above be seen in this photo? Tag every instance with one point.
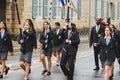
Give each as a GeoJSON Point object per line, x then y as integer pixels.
{"type": "Point", "coordinates": [96, 56]}
{"type": "Point", "coordinates": [70, 59]}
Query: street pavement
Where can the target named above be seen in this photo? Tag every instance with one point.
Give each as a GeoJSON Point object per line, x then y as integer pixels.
{"type": "Point", "coordinates": [83, 68]}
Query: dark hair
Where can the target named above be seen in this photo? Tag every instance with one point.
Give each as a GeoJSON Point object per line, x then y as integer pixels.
{"type": "Point", "coordinates": [5, 26]}
{"type": "Point", "coordinates": [44, 28]}
{"type": "Point", "coordinates": [57, 23]}
{"type": "Point", "coordinates": [109, 29]}
{"type": "Point", "coordinates": [73, 27]}
{"type": "Point", "coordinates": [113, 27]}
{"type": "Point", "coordinates": [31, 24]}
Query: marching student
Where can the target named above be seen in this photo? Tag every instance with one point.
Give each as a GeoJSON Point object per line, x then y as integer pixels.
{"type": "Point", "coordinates": [96, 33]}
{"type": "Point", "coordinates": [5, 47]}
{"type": "Point", "coordinates": [107, 53]}
{"type": "Point", "coordinates": [26, 39]}
{"type": "Point", "coordinates": [69, 52]}
{"type": "Point", "coordinates": [57, 42]}
{"type": "Point", "coordinates": [46, 44]}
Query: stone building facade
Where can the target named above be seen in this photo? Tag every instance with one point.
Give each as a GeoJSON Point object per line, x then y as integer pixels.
{"type": "Point", "coordinates": [37, 10]}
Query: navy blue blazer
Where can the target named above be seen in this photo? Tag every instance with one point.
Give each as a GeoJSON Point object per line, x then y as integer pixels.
{"type": "Point", "coordinates": [6, 43]}
{"type": "Point", "coordinates": [29, 41]}
{"type": "Point", "coordinates": [49, 43]}
{"type": "Point", "coordinates": [94, 35]}
{"type": "Point", "coordinates": [107, 51]}
{"type": "Point", "coordinates": [56, 40]}
{"type": "Point", "coordinates": [71, 49]}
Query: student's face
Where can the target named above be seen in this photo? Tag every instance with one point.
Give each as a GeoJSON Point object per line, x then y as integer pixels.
{"type": "Point", "coordinates": [26, 26]}
{"type": "Point", "coordinates": [1, 25]}
{"type": "Point", "coordinates": [56, 26]}
{"type": "Point", "coordinates": [45, 25]}
{"type": "Point", "coordinates": [107, 32]}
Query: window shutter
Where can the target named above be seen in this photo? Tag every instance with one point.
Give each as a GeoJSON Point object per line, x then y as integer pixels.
{"type": "Point", "coordinates": [119, 9]}
{"type": "Point", "coordinates": [71, 13]}
{"type": "Point", "coordinates": [54, 9]}
{"type": "Point", "coordinates": [108, 10]}
{"type": "Point", "coordinates": [113, 14]}
{"type": "Point", "coordinates": [63, 13]}
{"type": "Point", "coordinates": [102, 8]}
{"type": "Point", "coordinates": [45, 9]}
{"type": "Point", "coordinates": [96, 14]}
{"type": "Point", "coordinates": [34, 8]}
{"type": "Point", "coordinates": [79, 9]}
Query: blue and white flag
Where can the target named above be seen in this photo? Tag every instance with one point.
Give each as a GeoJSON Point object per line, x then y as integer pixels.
{"type": "Point", "coordinates": [73, 4]}
{"type": "Point", "coordinates": [63, 3]}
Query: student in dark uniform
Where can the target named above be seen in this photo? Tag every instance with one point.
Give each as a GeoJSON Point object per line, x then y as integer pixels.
{"type": "Point", "coordinates": [107, 53]}
{"type": "Point", "coordinates": [57, 42]}
{"type": "Point", "coordinates": [95, 35]}
{"type": "Point", "coordinates": [5, 45]}
{"type": "Point", "coordinates": [46, 43]}
{"type": "Point", "coordinates": [26, 39]}
{"type": "Point", "coordinates": [118, 43]}
{"type": "Point", "coordinates": [69, 52]}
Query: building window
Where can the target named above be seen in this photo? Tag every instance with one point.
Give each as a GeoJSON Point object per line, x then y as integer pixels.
{"type": "Point", "coordinates": [111, 10]}
{"type": "Point", "coordinates": [79, 8]}
{"type": "Point", "coordinates": [63, 13]}
{"type": "Point", "coordinates": [98, 8]}
{"type": "Point", "coordinates": [56, 9]}
{"type": "Point", "coordinates": [102, 8]}
{"type": "Point", "coordinates": [119, 9]}
{"type": "Point", "coordinates": [45, 8]}
{"type": "Point", "coordinates": [36, 8]}
{"type": "Point", "coordinates": [108, 10]}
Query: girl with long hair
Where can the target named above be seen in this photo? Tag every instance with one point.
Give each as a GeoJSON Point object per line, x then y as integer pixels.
{"type": "Point", "coordinates": [27, 40]}
{"type": "Point", "coordinates": [5, 46]}
{"type": "Point", "coordinates": [46, 42]}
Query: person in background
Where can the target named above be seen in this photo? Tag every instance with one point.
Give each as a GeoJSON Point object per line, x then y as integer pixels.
{"type": "Point", "coordinates": [69, 52]}
{"type": "Point", "coordinates": [108, 21]}
{"type": "Point", "coordinates": [96, 33]}
{"type": "Point", "coordinates": [46, 44]}
{"type": "Point", "coordinates": [118, 43]}
{"type": "Point", "coordinates": [57, 42]}
{"type": "Point", "coordinates": [26, 39]}
{"type": "Point", "coordinates": [107, 53]}
{"type": "Point", "coordinates": [5, 46]}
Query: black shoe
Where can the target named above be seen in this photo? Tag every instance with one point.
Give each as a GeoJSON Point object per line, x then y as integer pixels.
{"type": "Point", "coordinates": [1, 76]}
{"type": "Point", "coordinates": [57, 64]}
{"type": "Point", "coordinates": [44, 71]}
{"type": "Point", "coordinates": [30, 71]}
{"type": "Point", "coordinates": [6, 71]}
{"type": "Point", "coordinates": [97, 68]}
{"type": "Point", "coordinates": [48, 73]}
{"type": "Point", "coordinates": [111, 78]}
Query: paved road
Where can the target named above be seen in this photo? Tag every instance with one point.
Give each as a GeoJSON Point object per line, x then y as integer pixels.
{"type": "Point", "coordinates": [83, 68]}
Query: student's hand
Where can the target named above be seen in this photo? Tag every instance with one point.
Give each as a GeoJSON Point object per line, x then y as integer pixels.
{"type": "Point", "coordinates": [11, 54]}
{"type": "Point", "coordinates": [68, 41]}
{"type": "Point", "coordinates": [95, 44]}
{"type": "Point", "coordinates": [59, 37]}
{"type": "Point", "coordinates": [99, 35]}
{"type": "Point", "coordinates": [21, 41]}
{"type": "Point", "coordinates": [46, 41]}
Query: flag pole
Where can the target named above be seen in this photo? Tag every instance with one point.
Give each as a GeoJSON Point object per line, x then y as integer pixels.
{"type": "Point", "coordinates": [17, 12]}
{"type": "Point", "coordinates": [50, 12]}
{"type": "Point", "coordinates": [68, 10]}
